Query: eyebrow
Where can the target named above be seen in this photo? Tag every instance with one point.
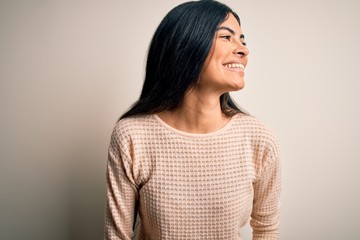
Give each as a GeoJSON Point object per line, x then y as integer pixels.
{"type": "Point", "coordinates": [230, 30]}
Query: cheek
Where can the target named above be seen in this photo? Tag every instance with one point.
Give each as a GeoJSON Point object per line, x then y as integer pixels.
{"type": "Point", "coordinates": [213, 70]}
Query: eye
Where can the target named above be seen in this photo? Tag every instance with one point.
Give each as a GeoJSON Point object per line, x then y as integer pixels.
{"type": "Point", "coordinates": [242, 39]}
{"type": "Point", "coordinates": [227, 37]}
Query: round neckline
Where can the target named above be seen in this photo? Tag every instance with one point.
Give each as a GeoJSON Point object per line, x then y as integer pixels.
{"type": "Point", "coordinates": [194, 135]}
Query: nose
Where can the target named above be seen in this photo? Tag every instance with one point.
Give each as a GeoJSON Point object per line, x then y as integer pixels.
{"type": "Point", "coordinates": [241, 50]}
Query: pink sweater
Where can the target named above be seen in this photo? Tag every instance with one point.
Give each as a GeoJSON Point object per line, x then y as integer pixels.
{"type": "Point", "coordinates": [192, 186]}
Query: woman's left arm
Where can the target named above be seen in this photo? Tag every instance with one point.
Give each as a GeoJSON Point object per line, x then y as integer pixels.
{"type": "Point", "coordinates": [266, 205]}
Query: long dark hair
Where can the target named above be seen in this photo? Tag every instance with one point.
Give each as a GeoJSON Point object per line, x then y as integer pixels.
{"type": "Point", "coordinates": [176, 55]}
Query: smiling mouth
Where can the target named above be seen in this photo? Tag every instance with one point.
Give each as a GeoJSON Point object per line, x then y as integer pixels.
{"type": "Point", "coordinates": [235, 66]}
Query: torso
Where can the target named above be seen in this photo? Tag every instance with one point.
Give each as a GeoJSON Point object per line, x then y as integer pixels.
{"type": "Point", "coordinates": [194, 186]}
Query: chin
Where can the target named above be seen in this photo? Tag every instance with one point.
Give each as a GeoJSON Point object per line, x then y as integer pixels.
{"type": "Point", "coordinates": [238, 86]}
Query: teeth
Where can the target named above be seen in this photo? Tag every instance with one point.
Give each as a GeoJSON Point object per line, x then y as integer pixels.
{"type": "Point", "coordinates": [235, 65]}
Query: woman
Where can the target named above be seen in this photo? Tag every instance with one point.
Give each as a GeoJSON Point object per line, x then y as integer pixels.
{"type": "Point", "coordinates": [185, 158]}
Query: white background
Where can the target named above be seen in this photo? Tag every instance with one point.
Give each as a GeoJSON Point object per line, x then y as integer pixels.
{"type": "Point", "coordinates": [68, 69]}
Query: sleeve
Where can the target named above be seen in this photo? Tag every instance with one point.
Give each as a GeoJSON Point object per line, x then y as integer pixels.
{"type": "Point", "coordinates": [121, 193]}
{"type": "Point", "coordinates": [266, 206]}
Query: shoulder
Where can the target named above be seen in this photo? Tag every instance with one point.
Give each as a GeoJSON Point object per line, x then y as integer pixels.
{"type": "Point", "coordinates": [133, 125]}
{"type": "Point", "coordinates": [264, 143]}
{"type": "Point", "coordinates": [253, 126]}
{"type": "Point", "coordinates": [128, 128]}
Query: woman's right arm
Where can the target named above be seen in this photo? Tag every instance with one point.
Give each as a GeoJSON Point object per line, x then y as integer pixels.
{"type": "Point", "coordinates": [121, 193]}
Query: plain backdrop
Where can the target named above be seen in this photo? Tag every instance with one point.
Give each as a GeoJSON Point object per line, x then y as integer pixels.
{"type": "Point", "coordinates": [68, 69]}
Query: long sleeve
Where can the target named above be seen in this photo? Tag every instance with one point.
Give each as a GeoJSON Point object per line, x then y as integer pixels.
{"type": "Point", "coordinates": [121, 195]}
{"type": "Point", "coordinates": [266, 205]}
{"type": "Point", "coordinates": [192, 186]}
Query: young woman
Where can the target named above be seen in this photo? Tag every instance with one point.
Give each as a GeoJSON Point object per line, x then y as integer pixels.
{"type": "Point", "coordinates": [185, 158]}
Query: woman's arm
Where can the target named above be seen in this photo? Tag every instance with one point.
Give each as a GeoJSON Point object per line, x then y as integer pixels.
{"type": "Point", "coordinates": [121, 195]}
{"type": "Point", "coordinates": [266, 208]}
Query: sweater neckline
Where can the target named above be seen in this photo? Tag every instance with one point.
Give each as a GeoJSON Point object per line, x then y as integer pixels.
{"type": "Point", "coordinates": [195, 135]}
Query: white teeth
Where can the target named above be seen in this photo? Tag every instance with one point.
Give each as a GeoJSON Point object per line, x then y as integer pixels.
{"type": "Point", "coordinates": [235, 65]}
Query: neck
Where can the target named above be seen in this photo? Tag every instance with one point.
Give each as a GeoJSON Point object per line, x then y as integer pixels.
{"type": "Point", "coordinates": [197, 114]}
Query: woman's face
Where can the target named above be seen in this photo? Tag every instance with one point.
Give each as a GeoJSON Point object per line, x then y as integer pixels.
{"type": "Point", "coordinates": [224, 68]}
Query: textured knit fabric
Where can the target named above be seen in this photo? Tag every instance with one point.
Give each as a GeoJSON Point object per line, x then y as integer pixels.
{"type": "Point", "coordinates": [192, 186]}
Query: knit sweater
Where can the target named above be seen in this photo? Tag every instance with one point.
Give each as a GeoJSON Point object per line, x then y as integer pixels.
{"type": "Point", "coordinates": [192, 186]}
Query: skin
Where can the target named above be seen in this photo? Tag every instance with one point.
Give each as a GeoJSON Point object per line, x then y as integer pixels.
{"type": "Point", "coordinates": [201, 111]}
